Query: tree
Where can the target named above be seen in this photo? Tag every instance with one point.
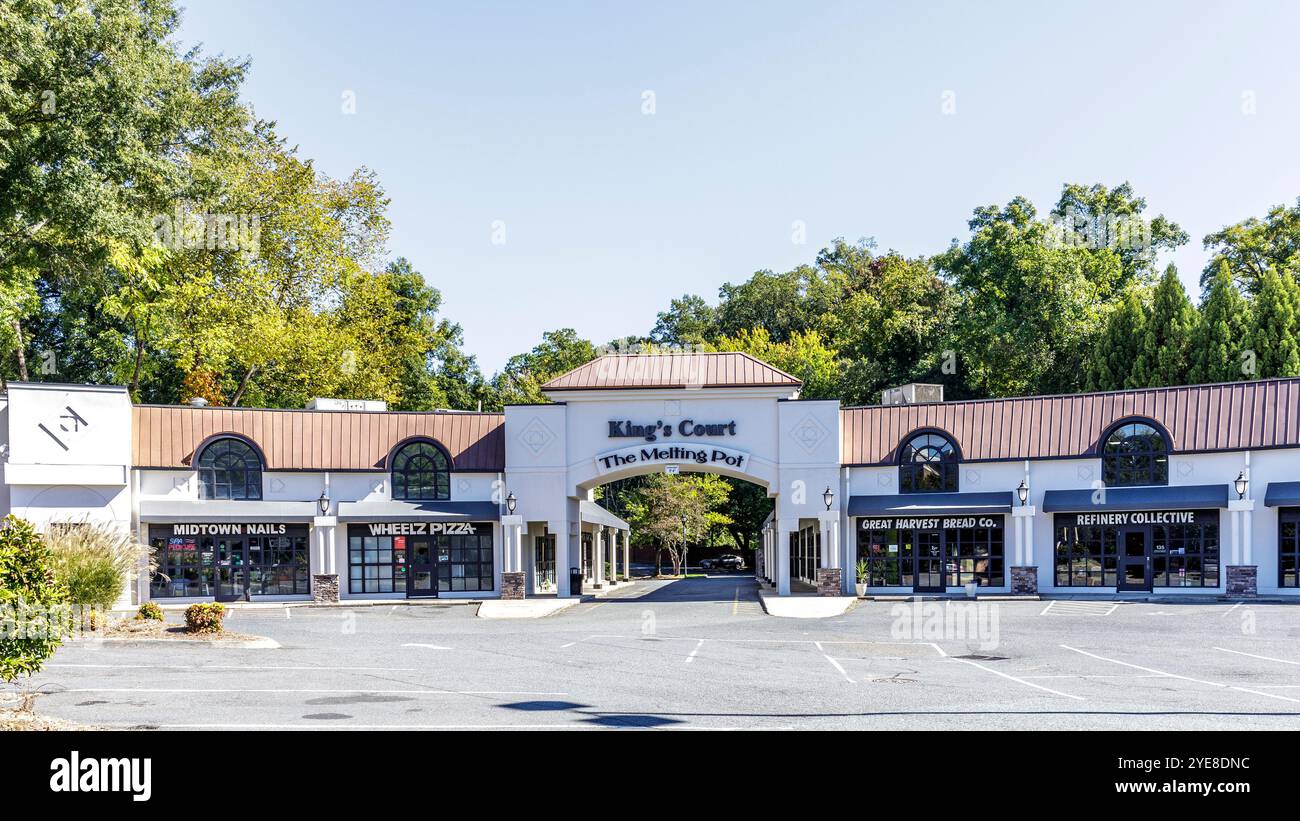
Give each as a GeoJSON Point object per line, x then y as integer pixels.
{"type": "Point", "coordinates": [804, 355]}
{"type": "Point", "coordinates": [34, 601]}
{"type": "Point", "coordinates": [747, 507]}
{"type": "Point", "coordinates": [1164, 355]}
{"type": "Point", "coordinates": [689, 320]}
{"type": "Point", "coordinates": [1254, 246]}
{"type": "Point", "coordinates": [671, 510]}
{"type": "Point", "coordinates": [1275, 333]}
{"type": "Point", "coordinates": [1110, 363]}
{"type": "Point", "coordinates": [521, 379]}
{"type": "Point", "coordinates": [1222, 333]}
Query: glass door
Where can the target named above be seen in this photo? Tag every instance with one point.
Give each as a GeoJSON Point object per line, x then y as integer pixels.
{"type": "Point", "coordinates": [232, 569]}
{"type": "Point", "coordinates": [544, 564]}
{"type": "Point", "coordinates": [1135, 560]}
{"type": "Point", "coordinates": [928, 548]}
{"type": "Point", "coordinates": [422, 565]}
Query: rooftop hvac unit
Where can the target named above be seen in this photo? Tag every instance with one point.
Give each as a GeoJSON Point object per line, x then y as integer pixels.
{"type": "Point", "coordinates": [325, 404]}
{"type": "Point", "coordinates": [915, 393]}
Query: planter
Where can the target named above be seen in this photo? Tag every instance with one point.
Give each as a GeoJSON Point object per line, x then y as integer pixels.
{"type": "Point", "coordinates": [861, 589]}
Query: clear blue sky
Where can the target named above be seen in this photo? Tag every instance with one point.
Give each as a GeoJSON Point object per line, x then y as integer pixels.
{"type": "Point", "coordinates": [766, 113]}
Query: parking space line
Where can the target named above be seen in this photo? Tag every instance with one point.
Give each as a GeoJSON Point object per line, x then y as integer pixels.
{"type": "Point", "coordinates": [1018, 680]}
{"type": "Point", "coordinates": [691, 656]}
{"type": "Point", "coordinates": [1184, 678]}
{"type": "Point", "coordinates": [246, 667]}
{"type": "Point", "coordinates": [1252, 655]}
{"type": "Point", "coordinates": [351, 691]}
{"type": "Point", "coordinates": [833, 662]}
{"type": "Point", "coordinates": [1234, 607]}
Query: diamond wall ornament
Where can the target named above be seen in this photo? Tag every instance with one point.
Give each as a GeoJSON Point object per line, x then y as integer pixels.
{"type": "Point", "coordinates": [884, 479]}
{"type": "Point", "coordinates": [972, 477]}
{"type": "Point", "coordinates": [536, 436]}
{"type": "Point", "coordinates": [1085, 472]}
{"type": "Point", "coordinates": [809, 433]}
{"type": "Point", "coordinates": [1184, 467]}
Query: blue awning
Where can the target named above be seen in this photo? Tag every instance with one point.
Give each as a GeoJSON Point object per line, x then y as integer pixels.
{"type": "Point", "coordinates": [1282, 494]}
{"type": "Point", "coordinates": [1182, 497]}
{"type": "Point", "coordinates": [922, 503]}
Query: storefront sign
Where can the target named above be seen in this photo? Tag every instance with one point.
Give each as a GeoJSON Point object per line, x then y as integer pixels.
{"type": "Point", "coordinates": [930, 522]}
{"type": "Point", "coordinates": [228, 529]}
{"type": "Point", "coordinates": [1138, 517]}
{"type": "Point", "coordinates": [421, 528]}
{"type": "Point", "coordinates": [672, 454]}
{"type": "Point", "coordinates": [627, 429]}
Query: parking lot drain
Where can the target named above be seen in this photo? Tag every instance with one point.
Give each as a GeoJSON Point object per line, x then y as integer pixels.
{"type": "Point", "coordinates": [980, 657]}
{"type": "Point", "coordinates": [893, 680]}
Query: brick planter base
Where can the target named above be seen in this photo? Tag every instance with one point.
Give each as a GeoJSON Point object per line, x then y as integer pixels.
{"type": "Point", "coordinates": [512, 585]}
{"type": "Point", "coordinates": [1024, 581]}
{"type": "Point", "coordinates": [1242, 581]}
{"type": "Point", "coordinates": [325, 588]}
{"type": "Point", "coordinates": [828, 581]}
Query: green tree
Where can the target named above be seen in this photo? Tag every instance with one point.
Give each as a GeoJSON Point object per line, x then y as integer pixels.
{"type": "Point", "coordinates": [689, 320]}
{"type": "Point", "coordinates": [1254, 246]}
{"type": "Point", "coordinates": [671, 511]}
{"type": "Point", "coordinates": [34, 600]}
{"type": "Point", "coordinates": [747, 507]}
{"type": "Point", "coordinates": [803, 355]}
{"type": "Point", "coordinates": [520, 381]}
{"type": "Point", "coordinates": [1222, 332]}
{"type": "Point", "coordinates": [1275, 333]}
{"type": "Point", "coordinates": [1115, 350]}
{"type": "Point", "coordinates": [1164, 355]}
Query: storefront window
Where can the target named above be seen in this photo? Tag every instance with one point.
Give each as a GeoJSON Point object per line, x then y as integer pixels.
{"type": "Point", "coordinates": [1135, 454]}
{"type": "Point", "coordinates": [1180, 547]}
{"type": "Point", "coordinates": [182, 569]}
{"type": "Point", "coordinates": [227, 560]}
{"type": "Point", "coordinates": [421, 472]}
{"type": "Point", "coordinates": [1288, 547]}
{"type": "Point", "coordinates": [928, 464]}
{"type": "Point", "coordinates": [422, 561]}
{"type": "Point", "coordinates": [945, 556]}
{"type": "Point", "coordinates": [1087, 556]}
{"type": "Point", "coordinates": [230, 469]}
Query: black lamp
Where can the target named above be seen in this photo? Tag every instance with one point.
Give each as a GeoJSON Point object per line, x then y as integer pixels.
{"type": "Point", "coordinates": [511, 501]}
{"type": "Point", "coordinates": [323, 503]}
{"type": "Point", "coordinates": [1241, 484]}
{"type": "Point", "coordinates": [828, 496]}
{"type": "Point", "coordinates": [1023, 492]}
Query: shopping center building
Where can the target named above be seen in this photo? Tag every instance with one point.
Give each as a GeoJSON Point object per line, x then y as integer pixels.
{"type": "Point", "coordinates": [1184, 490]}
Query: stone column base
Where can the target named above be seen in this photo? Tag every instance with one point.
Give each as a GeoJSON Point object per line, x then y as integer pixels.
{"type": "Point", "coordinates": [325, 588]}
{"type": "Point", "coordinates": [1024, 581]}
{"type": "Point", "coordinates": [512, 584]}
{"type": "Point", "coordinates": [828, 581]}
{"type": "Point", "coordinates": [1242, 581]}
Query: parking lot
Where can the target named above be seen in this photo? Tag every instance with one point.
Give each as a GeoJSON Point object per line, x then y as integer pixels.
{"type": "Point", "coordinates": [702, 654]}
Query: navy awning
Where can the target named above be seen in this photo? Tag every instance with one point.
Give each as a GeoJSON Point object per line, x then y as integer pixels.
{"type": "Point", "coordinates": [1182, 497]}
{"type": "Point", "coordinates": [1282, 494]}
{"type": "Point", "coordinates": [920, 503]}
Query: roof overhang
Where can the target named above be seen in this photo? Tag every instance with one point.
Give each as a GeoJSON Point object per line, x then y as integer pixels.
{"type": "Point", "coordinates": [595, 514]}
{"type": "Point", "coordinates": [396, 511]}
{"type": "Point", "coordinates": [1182, 497]}
{"type": "Point", "coordinates": [169, 511]}
{"type": "Point", "coordinates": [927, 503]}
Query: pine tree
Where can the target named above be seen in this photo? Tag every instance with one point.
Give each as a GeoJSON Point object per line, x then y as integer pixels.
{"type": "Point", "coordinates": [1223, 332]}
{"type": "Point", "coordinates": [1164, 353]}
{"type": "Point", "coordinates": [1275, 336]}
{"type": "Point", "coordinates": [1116, 347]}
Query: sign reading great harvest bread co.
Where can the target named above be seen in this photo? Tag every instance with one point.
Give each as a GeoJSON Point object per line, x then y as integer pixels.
{"type": "Point", "coordinates": [929, 522]}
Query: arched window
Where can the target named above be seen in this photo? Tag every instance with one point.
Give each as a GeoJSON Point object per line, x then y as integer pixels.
{"type": "Point", "coordinates": [229, 468]}
{"type": "Point", "coordinates": [1135, 453]}
{"type": "Point", "coordinates": [927, 463]}
{"type": "Point", "coordinates": [421, 472]}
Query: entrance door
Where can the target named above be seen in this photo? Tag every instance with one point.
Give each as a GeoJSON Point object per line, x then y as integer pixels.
{"type": "Point", "coordinates": [422, 570]}
{"type": "Point", "coordinates": [232, 569]}
{"type": "Point", "coordinates": [928, 549]}
{"type": "Point", "coordinates": [1135, 560]}
{"type": "Point", "coordinates": [544, 564]}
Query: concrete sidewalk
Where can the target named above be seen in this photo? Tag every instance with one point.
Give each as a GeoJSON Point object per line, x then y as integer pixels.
{"type": "Point", "coordinates": [805, 607]}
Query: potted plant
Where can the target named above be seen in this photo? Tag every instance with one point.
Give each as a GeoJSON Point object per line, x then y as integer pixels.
{"type": "Point", "coordinates": [864, 574]}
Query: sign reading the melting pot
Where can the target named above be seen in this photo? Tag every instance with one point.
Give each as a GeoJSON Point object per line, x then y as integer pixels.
{"type": "Point", "coordinates": [672, 455]}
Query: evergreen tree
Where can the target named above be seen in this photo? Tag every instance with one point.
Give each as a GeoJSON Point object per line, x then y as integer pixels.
{"type": "Point", "coordinates": [1116, 348]}
{"type": "Point", "coordinates": [1221, 336]}
{"type": "Point", "coordinates": [1164, 354]}
{"type": "Point", "coordinates": [1275, 336]}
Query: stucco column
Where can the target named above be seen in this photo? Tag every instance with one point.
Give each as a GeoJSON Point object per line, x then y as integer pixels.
{"type": "Point", "coordinates": [324, 582]}
{"type": "Point", "coordinates": [1241, 577]}
{"type": "Point", "coordinates": [1024, 572]}
{"type": "Point", "coordinates": [513, 579]}
{"type": "Point", "coordinates": [785, 528]}
{"type": "Point", "coordinates": [829, 574]}
{"type": "Point", "coordinates": [627, 555]}
{"type": "Point", "coordinates": [598, 557]}
{"type": "Point", "coordinates": [564, 556]}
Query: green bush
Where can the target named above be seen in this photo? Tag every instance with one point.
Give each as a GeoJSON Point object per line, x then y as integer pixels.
{"type": "Point", "coordinates": [95, 560]}
{"type": "Point", "coordinates": [34, 612]}
{"type": "Point", "coordinates": [204, 618]}
{"type": "Point", "coordinates": [150, 611]}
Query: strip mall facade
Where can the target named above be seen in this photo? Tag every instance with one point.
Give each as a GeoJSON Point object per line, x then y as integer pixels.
{"type": "Point", "coordinates": [1180, 491]}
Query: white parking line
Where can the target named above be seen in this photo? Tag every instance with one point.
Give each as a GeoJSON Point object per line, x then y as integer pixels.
{"type": "Point", "coordinates": [1252, 655]}
{"type": "Point", "coordinates": [354, 691]}
{"type": "Point", "coordinates": [1234, 607]}
{"type": "Point", "coordinates": [428, 646]}
{"type": "Point", "coordinates": [246, 667]}
{"type": "Point", "coordinates": [833, 662]}
{"type": "Point", "coordinates": [1018, 680]}
{"type": "Point", "coordinates": [1058, 607]}
{"type": "Point", "coordinates": [1183, 678]}
{"type": "Point", "coordinates": [691, 657]}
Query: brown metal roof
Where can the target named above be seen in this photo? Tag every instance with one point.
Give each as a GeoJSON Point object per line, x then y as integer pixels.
{"type": "Point", "coordinates": [676, 370]}
{"type": "Point", "coordinates": [166, 436]}
{"type": "Point", "coordinates": [1230, 416]}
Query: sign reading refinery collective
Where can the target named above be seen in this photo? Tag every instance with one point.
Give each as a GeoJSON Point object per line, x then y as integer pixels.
{"type": "Point", "coordinates": [1139, 517]}
{"type": "Point", "coordinates": [671, 455]}
{"type": "Point", "coordinates": [930, 522]}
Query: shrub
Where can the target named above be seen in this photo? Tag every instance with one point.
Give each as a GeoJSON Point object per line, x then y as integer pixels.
{"type": "Point", "coordinates": [95, 560]}
{"type": "Point", "coordinates": [34, 615]}
{"type": "Point", "coordinates": [204, 618]}
{"type": "Point", "coordinates": [150, 611]}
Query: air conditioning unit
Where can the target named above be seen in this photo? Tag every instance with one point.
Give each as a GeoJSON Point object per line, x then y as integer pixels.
{"type": "Point", "coordinates": [915, 393]}
{"type": "Point", "coordinates": [325, 404]}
